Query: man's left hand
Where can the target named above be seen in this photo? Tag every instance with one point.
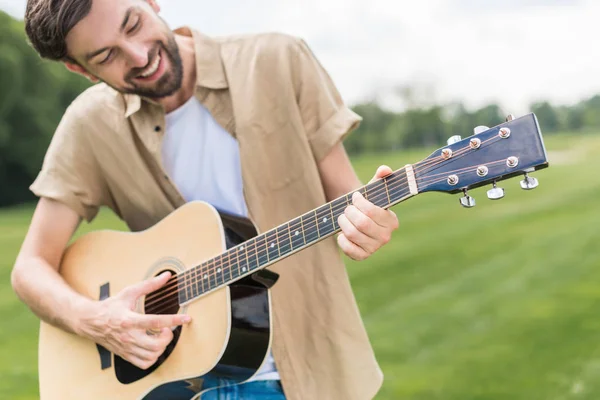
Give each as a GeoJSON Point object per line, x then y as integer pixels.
{"type": "Point", "coordinates": [365, 226]}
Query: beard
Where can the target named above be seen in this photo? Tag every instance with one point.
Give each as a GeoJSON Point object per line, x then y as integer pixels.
{"type": "Point", "coordinates": [171, 80]}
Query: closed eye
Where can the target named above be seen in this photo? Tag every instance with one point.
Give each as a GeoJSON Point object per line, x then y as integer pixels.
{"type": "Point", "coordinates": [107, 58]}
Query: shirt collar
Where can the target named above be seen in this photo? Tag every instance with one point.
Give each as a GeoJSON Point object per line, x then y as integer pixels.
{"type": "Point", "coordinates": [210, 72]}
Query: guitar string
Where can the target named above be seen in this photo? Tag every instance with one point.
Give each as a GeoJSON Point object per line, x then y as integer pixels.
{"type": "Point", "coordinates": [230, 266]}
{"type": "Point", "coordinates": [208, 267]}
{"type": "Point", "coordinates": [377, 190]}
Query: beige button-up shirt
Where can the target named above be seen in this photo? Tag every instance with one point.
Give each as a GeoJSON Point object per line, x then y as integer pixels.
{"type": "Point", "coordinates": [273, 96]}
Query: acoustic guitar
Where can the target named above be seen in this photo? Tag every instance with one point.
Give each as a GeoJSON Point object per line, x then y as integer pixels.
{"type": "Point", "coordinates": [219, 274]}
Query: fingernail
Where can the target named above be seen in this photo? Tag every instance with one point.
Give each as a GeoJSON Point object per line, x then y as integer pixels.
{"type": "Point", "coordinates": [187, 318]}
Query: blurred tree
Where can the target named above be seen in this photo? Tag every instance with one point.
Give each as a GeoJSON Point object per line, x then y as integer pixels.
{"type": "Point", "coordinates": [548, 116]}
{"type": "Point", "coordinates": [33, 96]}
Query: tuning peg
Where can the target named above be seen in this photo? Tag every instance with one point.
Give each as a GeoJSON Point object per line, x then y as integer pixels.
{"type": "Point", "coordinates": [481, 128]}
{"type": "Point", "coordinates": [509, 117]}
{"type": "Point", "coordinates": [529, 182]}
{"type": "Point", "coordinates": [467, 201]}
{"type": "Point", "coordinates": [454, 139]}
{"type": "Point", "coordinates": [495, 193]}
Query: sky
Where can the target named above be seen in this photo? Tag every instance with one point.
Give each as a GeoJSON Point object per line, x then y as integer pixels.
{"type": "Point", "coordinates": [511, 52]}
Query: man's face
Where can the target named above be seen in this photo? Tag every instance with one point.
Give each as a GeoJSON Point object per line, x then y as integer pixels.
{"type": "Point", "coordinates": [125, 44]}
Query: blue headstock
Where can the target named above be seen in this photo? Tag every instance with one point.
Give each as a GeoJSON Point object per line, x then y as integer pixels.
{"type": "Point", "coordinates": [501, 152]}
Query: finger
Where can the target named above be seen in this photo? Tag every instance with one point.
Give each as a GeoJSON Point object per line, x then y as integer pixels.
{"type": "Point", "coordinates": [350, 249]}
{"type": "Point", "coordinates": [144, 354]}
{"type": "Point", "coordinates": [148, 286]}
{"type": "Point", "coordinates": [138, 362]}
{"type": "Point", "coordinates": [381, 172]}
{"type": "Point", "coordinates": [153, 343]}
{"type": "Point", "coordinates": [351, 233]}
{"type": "Point", "coordinates": [383, 218]}
{"type": "Point", "coordinates": [143, 321]}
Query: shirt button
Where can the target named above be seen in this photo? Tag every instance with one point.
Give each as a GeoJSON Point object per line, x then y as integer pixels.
{"type": "Point", "coordinates": [157, 128]}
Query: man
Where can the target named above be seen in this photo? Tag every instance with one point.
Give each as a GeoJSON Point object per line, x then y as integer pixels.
{"type": "Point", "coordinates": [252, 124]}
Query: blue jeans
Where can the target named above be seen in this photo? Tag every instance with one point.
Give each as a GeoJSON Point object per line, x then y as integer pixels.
{"type": "Point", "coordinates": [260, 390]}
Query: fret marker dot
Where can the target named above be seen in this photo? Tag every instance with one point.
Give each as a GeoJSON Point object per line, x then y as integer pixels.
{"type": "Point", "coordinates": [218, 269]}
{"type": "Point", "coordinates": [297, 233]}
{"type": "Point", "coordinates": [205, 276]}
{"type": "Point", "coordinates": [244, 269]}
{"type": "Point", "coordinates": [272, 245]}
{"type": "Point", "coordinates": [325, 219]}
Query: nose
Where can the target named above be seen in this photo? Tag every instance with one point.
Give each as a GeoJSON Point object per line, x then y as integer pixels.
{"type": "Point", "coordinates": [136, 54]}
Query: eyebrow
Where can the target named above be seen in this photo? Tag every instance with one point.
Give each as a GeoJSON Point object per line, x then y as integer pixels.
{"type": "Point", "coordinates": [93, 54]}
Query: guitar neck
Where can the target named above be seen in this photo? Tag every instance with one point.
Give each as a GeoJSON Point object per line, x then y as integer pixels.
{"type": "Point", "coordinates": [286, 239]}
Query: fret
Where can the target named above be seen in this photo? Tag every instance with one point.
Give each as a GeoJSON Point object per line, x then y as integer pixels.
{"type": "Point", "coordinates": [255, 248]}
{"type": "Point", "coordinates": [325, 223]}
{"type": "Point", "coordinates": [249, 249]}
{"type": "Point", "coordinates": [296, 234]}
{"type": "Point", "coordinates": [398, 186]}
{"type": "Point", "coordinates": [188, 285]}
{"type": "Point", "coordinates": [180, 288]}
{"type": "Point", "coordinates": [262, 252]}
{"type": "Point", "coordinates": [311, 232]}
{"type": "Point", "coordinates": [201, 270]}
{"type": "Point", "coordinates": [218, 271]}
{"type": "Point", "coordinates": [378, 193]}
{"type": "Point", "coordinates": [272, 246]}
{"type": "Point", "coordinates": [233, 263]}
{"type": "Point", "coordinates": [338, 206]}
{"type": "Point", "coordinates": [283, 238]}
{"type": "Point", "coordinates": [333, 218]}
{"type": "Point", "coordinates": [302, 229]}
{"type": "Point", "coordinates": [386, 190]}
{"type": "Point", "coordinates": [193, 283]}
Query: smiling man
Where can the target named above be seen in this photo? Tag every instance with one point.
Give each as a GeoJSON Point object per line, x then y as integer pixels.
{"type": "Point", "coordinates": [250, 124]}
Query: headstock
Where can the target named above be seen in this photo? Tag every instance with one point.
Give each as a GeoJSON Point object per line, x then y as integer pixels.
{"type": "Point", "coordinates": [489, 156]}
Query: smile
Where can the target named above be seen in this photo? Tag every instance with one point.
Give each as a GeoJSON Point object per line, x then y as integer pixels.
{"type": "Point", "coordinates": [151, 68]}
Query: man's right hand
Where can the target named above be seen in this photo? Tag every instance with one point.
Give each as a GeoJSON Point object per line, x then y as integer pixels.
{"type": "Point", "coordinates": [114, 324]}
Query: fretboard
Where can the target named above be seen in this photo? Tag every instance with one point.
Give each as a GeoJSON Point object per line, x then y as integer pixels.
{"type": "Point", "coordinates": [286, 239]}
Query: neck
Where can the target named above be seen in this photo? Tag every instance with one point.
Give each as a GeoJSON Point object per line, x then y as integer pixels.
{"type": "Point", "coordinates": [288, 238]}
{"type": "Point", "coordinates": [188, 83]}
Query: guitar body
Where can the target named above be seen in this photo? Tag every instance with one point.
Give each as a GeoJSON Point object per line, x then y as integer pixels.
{"type": "Point", "coordinates": [226, 342]}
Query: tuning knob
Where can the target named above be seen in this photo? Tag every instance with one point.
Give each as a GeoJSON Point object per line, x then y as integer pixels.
{"type": "Point", "coordinates": [454, 139]}
{"type": "Point", "coordinates": [510, 117]}
{"type": "Point", "coordinates": [495, 193]}
{"type": "Point", "coordinates": [529, 182]}
{"type": "Point", "coordinates": [480, 128]}
{"type": "Point", "coordinates": [467, 201]}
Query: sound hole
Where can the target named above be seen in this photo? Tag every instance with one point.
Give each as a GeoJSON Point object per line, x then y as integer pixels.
{"type": "Point", "coordinates": [161, 301]}
{"type": "Point", "coordinates": [164, 300]}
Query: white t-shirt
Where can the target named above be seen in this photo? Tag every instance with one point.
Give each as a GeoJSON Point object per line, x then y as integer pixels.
{"type": "Point", "coordinates": [203, 161]}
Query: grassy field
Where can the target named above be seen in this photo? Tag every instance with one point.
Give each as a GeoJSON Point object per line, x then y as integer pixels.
{"type": "Point", "coordinates": [494, 302]}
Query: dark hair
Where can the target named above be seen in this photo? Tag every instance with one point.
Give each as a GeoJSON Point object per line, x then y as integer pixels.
{"type": "Point", "coordinates": [47, 23]}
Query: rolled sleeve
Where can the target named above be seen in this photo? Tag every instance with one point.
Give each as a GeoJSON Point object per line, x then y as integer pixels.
{"type": "Point", "coordinates": [326, 118]}
{"type": "Point", "coordinates": [69, 172]}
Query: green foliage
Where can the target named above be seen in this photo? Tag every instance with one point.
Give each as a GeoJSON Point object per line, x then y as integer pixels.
{"type": "Point", "coordinates": [34, 94]}
{"type": "Point", "coordinates": [491, 303]}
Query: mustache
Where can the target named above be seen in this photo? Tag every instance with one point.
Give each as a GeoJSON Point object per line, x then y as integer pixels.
{"type": "Point", "coordinates": [151, 57]}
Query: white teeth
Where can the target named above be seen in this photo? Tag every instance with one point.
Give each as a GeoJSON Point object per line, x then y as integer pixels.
{"type": "Point", "coordinates": [151, 69]}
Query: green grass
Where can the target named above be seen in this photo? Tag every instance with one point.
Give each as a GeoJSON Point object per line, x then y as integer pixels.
{"type": "Point", "coordinates": [494, 302]}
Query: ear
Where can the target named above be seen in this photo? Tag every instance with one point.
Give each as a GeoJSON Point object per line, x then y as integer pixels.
{"type": "Point", "coordinates": [78, 69]}
{"type": "Point", "coordinates": [154, 5]}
